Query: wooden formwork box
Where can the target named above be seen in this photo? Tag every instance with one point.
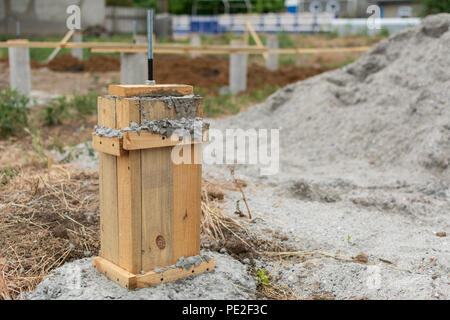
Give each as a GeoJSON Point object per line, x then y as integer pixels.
{"type": "Point", "coordinates": [150, 208]}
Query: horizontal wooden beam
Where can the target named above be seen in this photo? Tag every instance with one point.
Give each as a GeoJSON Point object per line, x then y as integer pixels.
{"type": "Point", "coordinates": [153, 278]}
{"type": "Point", "coordinates": [146, 140]}
{"type": "Point", "coordinates": [115, 273]}
{"type": "Point", "coordinates": [133, 90]}
{"type": "Point", "coordinates": [133, 141]}
{"type": "Point", "coordinates": [112, 47]}
{"type": "Point", "coordinates": [112, 146]}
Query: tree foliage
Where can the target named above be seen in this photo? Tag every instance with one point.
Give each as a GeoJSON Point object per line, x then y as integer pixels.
{"type": "Point", "coordinates": [436, 6]}
{"type": "Point", "coordinates": [204, 6]}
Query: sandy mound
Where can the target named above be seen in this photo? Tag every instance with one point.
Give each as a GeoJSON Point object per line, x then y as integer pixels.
{"type": "Point", "coordinates": [388, 109]}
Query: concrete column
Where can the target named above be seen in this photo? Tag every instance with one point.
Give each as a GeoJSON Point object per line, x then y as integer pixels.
{"type": "Point", "coordinates": [133, 66]}
{"type": "Point", "coordinates": [77, 52]}
{"type": "Point", "coordinates": [19, 68]}
{"type": "Point", "coordinates": [272, 58]}
{"type": "Point", "coordinates": [238, 69]}
{"type": "Point", "coordinates": [195, 41]}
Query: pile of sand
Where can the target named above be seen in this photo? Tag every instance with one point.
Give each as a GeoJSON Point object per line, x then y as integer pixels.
{"type": "Point", "coordinates": [388, 109]}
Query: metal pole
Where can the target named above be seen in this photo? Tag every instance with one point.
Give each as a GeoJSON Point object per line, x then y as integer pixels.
{"type": "Point", "coordinates": [151, 79]}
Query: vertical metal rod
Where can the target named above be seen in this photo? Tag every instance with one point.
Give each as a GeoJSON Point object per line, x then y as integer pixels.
{"type": "Point", "coordinates": [150, 44]}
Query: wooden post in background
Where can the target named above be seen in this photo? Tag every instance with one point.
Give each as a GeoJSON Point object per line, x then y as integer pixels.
{"type": "Point", "coordinates": [150, 207]}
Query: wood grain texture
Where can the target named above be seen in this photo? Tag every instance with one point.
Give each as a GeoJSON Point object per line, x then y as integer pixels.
{"type": "Point", "coordinates": [156, 208]}
{"type": "Point", "coordinates": [129, 194]}
{"type": "Point", "coordinates": [150, 90]}
{"type": "Point", "coordinates": [115, 273]}
{"type": "Point", "coordinates": [108, 187]}
{"type": "Point", "coordinates": [187, 181]}
{"type": "Point", "coordinates": [152, 278]}
{"type": "Point", "coordinates": [147, 140]}
{"type": "Point", "coordinates": [111, 146]}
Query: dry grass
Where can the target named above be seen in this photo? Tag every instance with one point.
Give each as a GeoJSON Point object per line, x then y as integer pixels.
{"type": "Point", "coordinates": [50, 217]}
{"type": "Point", "coordinates": [47, 219]}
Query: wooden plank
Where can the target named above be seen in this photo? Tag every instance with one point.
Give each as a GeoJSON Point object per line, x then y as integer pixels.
{"type": "Point", "coordinates": [187, 181]}
{"type": "Point", "coordinates": [64, 40]}
{"type": "Point", "coordinates": [157, 246]}
{"type": "Point", "coordinates": [115, 273]}
{"type": "Point", "coordinates": [176, 49]}
{"type": "Point", "coordinates": [243, 50]}
{"type": "Point", "coordinates": [318, 50]}
{"type": "Point", "coordinates": [129, 194]}
{"type": "Point", "coordinates": [148, 140]}
{"type": "Point", "coordinates": [255, 37]}
{"type": "Point", "coordinates": [108, 187]}
{"type": "Point", "coordinates": [153, 278]}
{"type": "Point", "coordinates": [150, 90]}
{"type": "Point", "coordinates": [111, 146]}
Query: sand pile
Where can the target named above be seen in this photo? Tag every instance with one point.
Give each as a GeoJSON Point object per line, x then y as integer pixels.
{"type": "Point", "coordinates": [388, 109]}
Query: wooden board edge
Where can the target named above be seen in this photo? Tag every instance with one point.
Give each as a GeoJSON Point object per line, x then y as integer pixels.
{"type": "Point", "coordinates": [112, 146]}
{"type": "Point", "coordinates": [148, 140]}
{"type": "Point", "coordinates": [127, 91]}
{"type": "Point", "coordinates": [115, 273]}
{"type": "Point", "coordinates": [153, 278]}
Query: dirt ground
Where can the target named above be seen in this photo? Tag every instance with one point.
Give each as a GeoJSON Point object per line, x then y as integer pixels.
{"type": "Point", "coordinates": [66, 74]}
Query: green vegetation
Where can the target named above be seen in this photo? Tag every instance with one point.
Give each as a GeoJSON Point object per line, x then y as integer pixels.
{"type": "Point", "coordinates": [55, 111]}
{"type": "Point", "coordinates": [61, 108]}
{"type": "Point", "coordinates": [203, 7]}
{"type": "Point", "coordinates": [38, 144]}
{"type": "Point", "coordinates": [285, 40]}
{"type": "Point", "coordinates": [6, 174]}
{"type": "Point", "coordinates": [13, 112]}
{"type": "Point", "coordinates": [435, 6]}
{"type": "Point", "coordinates": [226, 104]}
{"type": "Point", "coordinates": [85, 105]}
{"type": "Point", "coordinates": [262, 277]}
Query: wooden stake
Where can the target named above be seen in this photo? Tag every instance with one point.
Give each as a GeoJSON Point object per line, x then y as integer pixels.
{"type": "Point", "coordinates": [255, 37]}
{"type": "Point", "coordinates": [64, 40]}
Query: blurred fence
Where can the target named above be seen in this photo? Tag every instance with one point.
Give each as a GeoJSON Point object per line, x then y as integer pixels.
{"type": "Point", "coordinates": [120, 20]}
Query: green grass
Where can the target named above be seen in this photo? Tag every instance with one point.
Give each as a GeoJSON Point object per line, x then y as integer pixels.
{"type": "Point", "coordinates": [61, 108]}
{"type": "Point", "coordinates": [6, 174]}
{"type": "Point", "coordinates": [13, 112]}
{"type": "Point", "coordinates": [226, 104]}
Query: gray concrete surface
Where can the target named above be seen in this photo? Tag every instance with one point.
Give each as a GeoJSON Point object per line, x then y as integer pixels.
{"type": "Point", "coordinates": [195, 41]}
{"type": "Point", "coordinates": [272, 58]}
{"type": "Point", "coordinates": [81, 281]}
{"type": "Point", "coordinates": [77, 52]}
{"type": "Point", "coordinates": [20, 71]}
{"type": "Point", "coordinates": [238, 70]}
{"type": "Point", "coordinates": [133, 66]}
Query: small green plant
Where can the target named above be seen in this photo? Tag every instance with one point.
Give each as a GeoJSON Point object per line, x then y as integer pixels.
{"type": "Point", "coordinates": [85, 104]}
{"type": "Point", "coordinates": [56, 144]}
{"type": "Point", "coordinates": [285, 40]}
{"type": "Point", "coordinates": [384, 33]}
{"type": "Point", "coordinates": [349, 238]}
{"type": "Point", "coordinates": [13, 112]}
{"type": "Point", "coordinates": [90, 149]}
{"type": "Point", "coordinates": [262, 277]}
{"type": "Point", "coordinates": [37, 144]}
{"type": "Point", "coordinates": [6, 174]}
{"type": "Point", "coordinates": [55, 112]}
